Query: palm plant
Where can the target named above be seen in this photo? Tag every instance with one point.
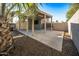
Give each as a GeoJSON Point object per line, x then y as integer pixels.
{"type": "Point", "coordinates": [30, 9]}
{"type": "Point", "coordinates": [73, 8]}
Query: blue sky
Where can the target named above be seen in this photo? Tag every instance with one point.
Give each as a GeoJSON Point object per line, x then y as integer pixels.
{"type": "Point", "coordinates": [58, 10]}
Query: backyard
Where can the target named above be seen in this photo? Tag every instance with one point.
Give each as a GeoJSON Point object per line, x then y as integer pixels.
{"type": "Point", "coordinates": [28, 29]}
{"type": "Point", "coordinates": [26, 46]}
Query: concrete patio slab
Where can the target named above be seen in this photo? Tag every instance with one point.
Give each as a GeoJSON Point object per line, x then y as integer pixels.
{"type": "Point", "coordinates": [53, 39]}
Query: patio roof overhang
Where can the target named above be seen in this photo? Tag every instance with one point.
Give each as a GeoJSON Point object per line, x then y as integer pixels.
{"type": "Point", "coordinates": [42, 13]}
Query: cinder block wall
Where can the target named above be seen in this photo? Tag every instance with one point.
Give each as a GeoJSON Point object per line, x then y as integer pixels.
{"type": "Point", "coordinates": [60, 26]}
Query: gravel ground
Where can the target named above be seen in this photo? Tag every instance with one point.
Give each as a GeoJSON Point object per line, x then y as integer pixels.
{"type": "Point", "coordinates": [25, 46]}
{"type": "Point", "coordinates": [69, 48]}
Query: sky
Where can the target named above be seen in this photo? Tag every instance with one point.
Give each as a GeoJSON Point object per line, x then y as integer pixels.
{"type": "Point", "coordinates": [57, 10]}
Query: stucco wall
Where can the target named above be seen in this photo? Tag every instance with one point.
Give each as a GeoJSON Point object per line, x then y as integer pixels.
{"type": "Point", "coordinates": [60, 26]}
{"type": "Point", "coordinates": [74, 19]}
{"type": "Point", "coordinates": [75, 34]}
{"type": "Point", "coordinates": [0, 9]}
{"type": "Point", "coordinates": [73, 29]}
{"type": "Point", "coordinates": [23, 25]}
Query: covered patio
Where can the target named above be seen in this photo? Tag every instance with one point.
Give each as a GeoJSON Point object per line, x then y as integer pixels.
{"type": "Point", "coordinates": [39, 23]}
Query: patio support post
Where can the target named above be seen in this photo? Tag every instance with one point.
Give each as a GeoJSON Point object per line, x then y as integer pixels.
{"type": "Point", "coordinates": [51, 23]}
{"type": "Point", "coordinates": [19, 24]}
{"type": "Point", "coordinates": [27, 24]}
{"type": "Point", "coordinates": [45, 23]}
{"type": "Point", "coordinates": [32, 25]}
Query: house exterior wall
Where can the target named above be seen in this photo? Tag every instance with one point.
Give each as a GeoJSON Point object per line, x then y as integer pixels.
{"type": "Point", "coordinates": [0, 9]}
{"type": "Point", "coordinates": [17, 25]}
{"type": "Point", "coordinates": [23, 25]}
{"type": "Point", "coordinates": [29, 24]}
{"type": "Point", "coordinates": [74, 19]}
{"type": "Point", "coordinates": [73, 29]}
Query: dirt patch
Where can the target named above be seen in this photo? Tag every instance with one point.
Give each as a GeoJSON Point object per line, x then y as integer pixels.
{"type": "Point", "coordinates": [16, 33]}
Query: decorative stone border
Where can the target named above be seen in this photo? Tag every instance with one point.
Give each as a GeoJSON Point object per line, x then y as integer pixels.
{"type": "Point", "coordinates": [17, 36]}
